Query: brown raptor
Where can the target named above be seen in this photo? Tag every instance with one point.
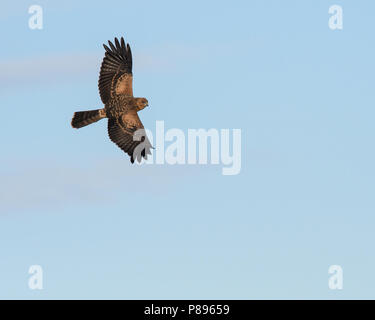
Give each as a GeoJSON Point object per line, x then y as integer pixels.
{"type": "Point", "coordinates": [120, 106]}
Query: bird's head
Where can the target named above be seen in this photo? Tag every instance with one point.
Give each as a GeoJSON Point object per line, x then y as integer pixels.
{"type": "Point", "coordinates": [141, 103]}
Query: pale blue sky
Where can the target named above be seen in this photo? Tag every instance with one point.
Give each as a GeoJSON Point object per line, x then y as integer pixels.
{"type": "Point", "coordinates": [101, 228]}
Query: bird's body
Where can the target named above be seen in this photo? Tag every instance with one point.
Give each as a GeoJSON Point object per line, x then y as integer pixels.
{"type": "Point", "coordinates": [120, 106]}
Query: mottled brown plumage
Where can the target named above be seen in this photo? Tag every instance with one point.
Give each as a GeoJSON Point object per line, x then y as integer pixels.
{"type": "Point", "coordinates": [120, 107]}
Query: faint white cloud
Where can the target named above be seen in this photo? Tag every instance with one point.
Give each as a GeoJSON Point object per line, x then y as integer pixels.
{"type": "Point", "coordinates": [47, 68]}
{"type": "Point", "coordinates": [60, 67]}
{"type": "Point", "coordinates": [48, 184]}
{"type": "Point", "coordinates": [63, 67]}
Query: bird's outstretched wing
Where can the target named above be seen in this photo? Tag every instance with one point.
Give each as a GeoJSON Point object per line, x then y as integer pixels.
{"type": "Point", "coordinates": [116, 71]}
{"type": "Point", "coordinates": [128, 133]}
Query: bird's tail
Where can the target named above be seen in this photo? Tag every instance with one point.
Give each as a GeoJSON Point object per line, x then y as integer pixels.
{"type": "Point", "coordinates": [84, 118]}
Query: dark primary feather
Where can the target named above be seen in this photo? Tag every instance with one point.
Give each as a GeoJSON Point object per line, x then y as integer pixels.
{"type": "Point", "coordinates": [116, 62]}
{"type": "Point", "coordinates": [125, 137]}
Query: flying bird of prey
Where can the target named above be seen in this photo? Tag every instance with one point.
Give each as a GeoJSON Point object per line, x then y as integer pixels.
{"type": "Point", "coordinates": [120, 106]}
